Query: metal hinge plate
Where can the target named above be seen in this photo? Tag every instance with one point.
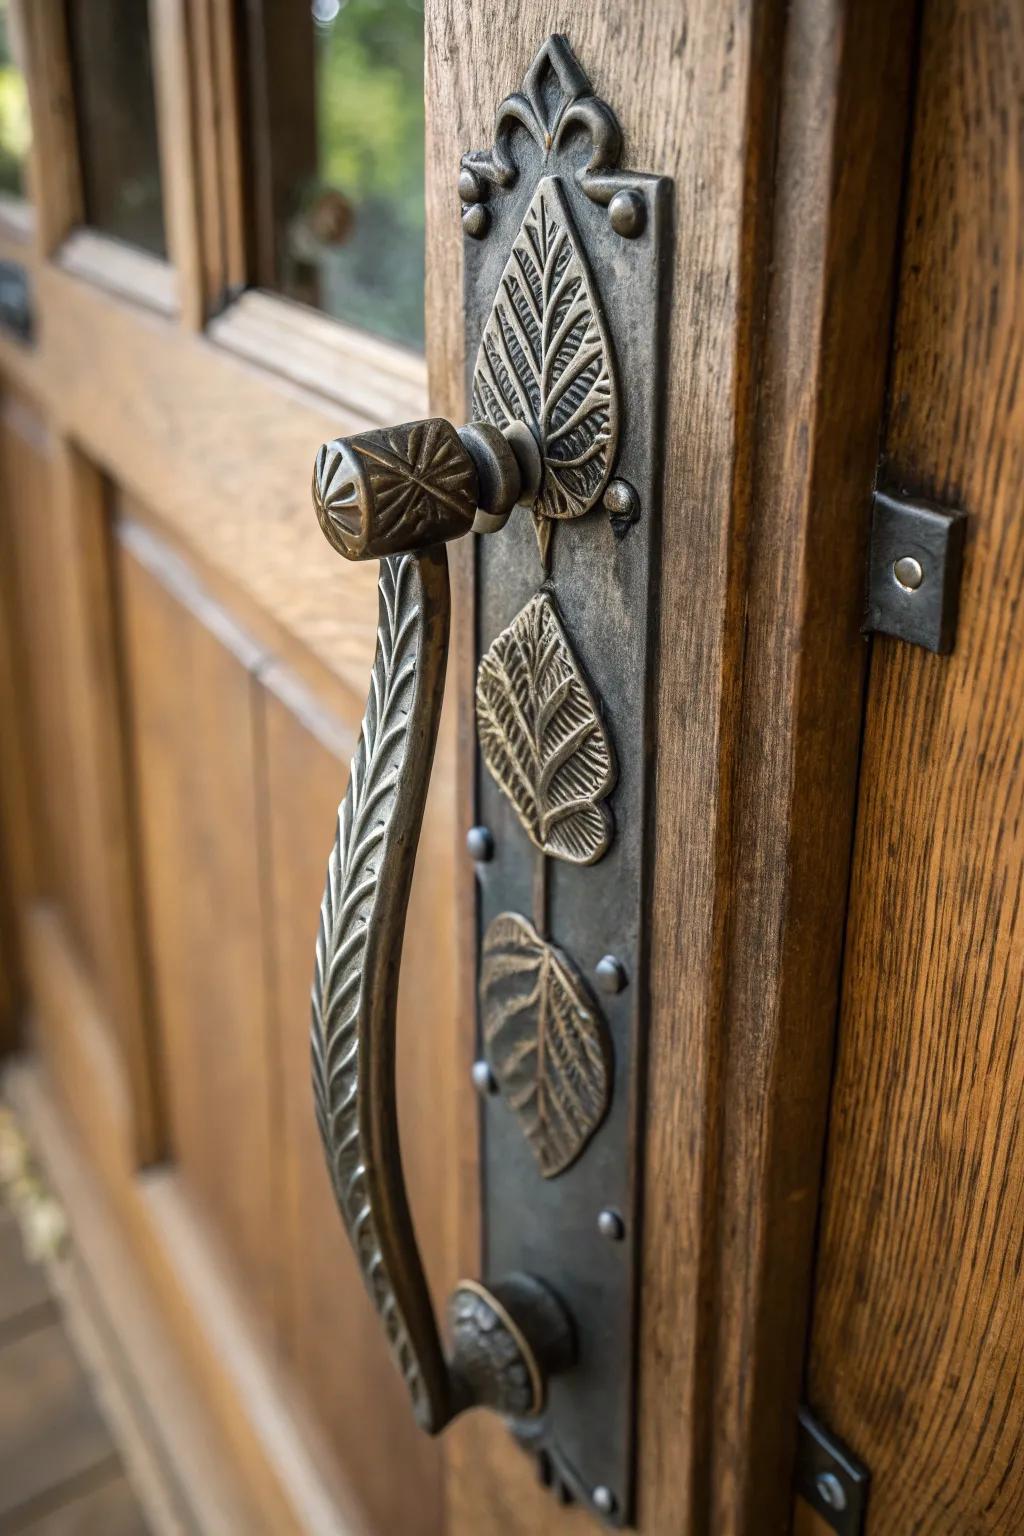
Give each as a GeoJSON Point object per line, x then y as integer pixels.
{"type": "Point", "coordinates": [829, 1477]}
{"type": "Point", "coordinates": [914, 571]}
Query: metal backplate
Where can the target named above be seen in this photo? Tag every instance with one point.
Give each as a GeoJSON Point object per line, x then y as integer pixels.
{"type": "Point", "coordinates": [574, 1222]}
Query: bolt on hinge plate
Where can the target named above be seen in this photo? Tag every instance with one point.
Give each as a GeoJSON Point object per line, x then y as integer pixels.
{"type": "Point", "coordinates": [829, 1477]}
{"type": "Point", "coordinates": [914, 571]}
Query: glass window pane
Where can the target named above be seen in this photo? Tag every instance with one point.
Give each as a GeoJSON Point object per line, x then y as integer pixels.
{"type": "Point", "coordinates": [15, 127]}
{"type": "Point", "coordinates": [117, 139]}
{"type": "Point", "coordinates": [336, 94]}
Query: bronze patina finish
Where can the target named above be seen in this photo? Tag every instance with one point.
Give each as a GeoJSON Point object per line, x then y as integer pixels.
{"type": "Point", "coordinates": [564, 263]}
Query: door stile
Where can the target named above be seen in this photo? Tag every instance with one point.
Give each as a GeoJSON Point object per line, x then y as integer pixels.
{"type": "Point", "coordinates": [784, 133]}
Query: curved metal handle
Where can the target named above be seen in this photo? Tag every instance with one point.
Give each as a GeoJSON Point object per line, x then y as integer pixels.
{"type": "Point", "coordinates": [398, 494]}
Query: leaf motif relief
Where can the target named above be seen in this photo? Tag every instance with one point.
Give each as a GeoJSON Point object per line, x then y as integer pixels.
{"type": "Point", "coordinates": [545, 1041]}
{"type": "Point", "coordinates": [542, 737]}
{"type": "Point", "coordinates": [346, 917]}
{"type": "Point", "coordinates": [545, 359]}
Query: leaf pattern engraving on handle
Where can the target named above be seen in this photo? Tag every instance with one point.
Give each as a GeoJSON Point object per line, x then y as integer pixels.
{"type": "Point", "coordinates": [542, 737]}
{"type": "Point", "coordinates": [545, 359]}
{"type": "Point", "coordinates": [545, 1040]}
{"type": "Point", "coordinates": [341, 1011]}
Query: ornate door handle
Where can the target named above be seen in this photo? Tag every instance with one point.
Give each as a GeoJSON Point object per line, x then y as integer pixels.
{"type": "Point", "coordinates": [397, 495]}
{"type": "Point", "coordinates": [564, 264]}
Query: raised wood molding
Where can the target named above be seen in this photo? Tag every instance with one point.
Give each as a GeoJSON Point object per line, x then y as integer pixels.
{"type": "Point", "coordinates": [215, 449]}
{"type": "Point", "coordinates": [120, 269]}
{"type": "Point", "coordinates": [54, 174]}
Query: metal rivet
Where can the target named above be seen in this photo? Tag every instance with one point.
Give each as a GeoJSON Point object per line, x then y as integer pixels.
{"type": "Point", "coordinates": [471, 188]}
{"type": "Point", "coordinates": [908, 572]}
{"type": "Point", "coordinates": [611, 1225]}
{"type": "Point", "coordinates": [610, 973]}
{"type": "Point", "coordinates": [621, 501]}
{"type": "Point", "coordinates": [603, 1500]}
{"type": "Point", "coordinates": [628, 214]}
{"type": "Point", "coordinates": [480, 845]}
{"type": "Point", "coordinates": [830, 1490]}
{"type": "Point", "coordinates": [484, 1080]}
{"type": "Point", "coordinates": [475, 220]}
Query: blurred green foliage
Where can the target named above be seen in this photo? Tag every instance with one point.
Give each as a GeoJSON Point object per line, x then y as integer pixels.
{"type": "Point", "coordinates": [370, 123]}
{"type": "Point", "coordinates": [15, 125]}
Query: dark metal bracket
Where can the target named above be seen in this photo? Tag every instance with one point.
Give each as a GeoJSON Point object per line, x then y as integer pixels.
{"type": "Point", "coordinates": [830, 1478]}
{"type": "Point", "coordinates": [914, 571]}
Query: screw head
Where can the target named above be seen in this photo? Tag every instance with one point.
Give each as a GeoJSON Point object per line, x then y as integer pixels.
{"type": "Point", "coordinates": [908, 572]}
{"type": "Point", "coordinates": [484, 1080]}
{"type": "Point", "coordinates": [475, 220]}
{"type": "Point", "coordinates": [627, 212]}
{"type": "Point", "coordinates": [611, 1225]}
{"type": "Point", "coordinates": [480, 844]}
{"type": "Point", "coordinates": [610, 974]}
{"type": "Point", "coordinates": [603, 1500]}
{"type": "Point", "coordinates": [830, 1490]}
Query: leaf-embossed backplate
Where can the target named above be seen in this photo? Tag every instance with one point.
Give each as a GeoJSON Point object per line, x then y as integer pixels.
{"type": "Point", "coordinates": [545, 359]}
{"type": "Point", "coordinates": [545, 1040]}
{"type": "Point", "coordinates": [542, 737]}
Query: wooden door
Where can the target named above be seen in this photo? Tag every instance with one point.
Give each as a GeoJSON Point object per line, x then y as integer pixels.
{"type": "Point", "coordinates": [186, 663]}
{"type": "Point", "coordinates": [915, 1349]}
{"type": "Point", "coordinates": [240, 229]}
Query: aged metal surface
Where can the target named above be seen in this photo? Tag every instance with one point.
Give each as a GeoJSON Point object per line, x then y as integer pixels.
{"type": "Point", "coordinates": [914, 576]}
{"type": "Point", "coordinates": [542, 738]}
{"type": "Point", "coordinates": [563, 295]}
{"type": "Point", "coordinates": [830, 1477]}
{"type": "Point", "coordinates": [358, 951]}
{"type": "Point", "coordinates": [545, 1039]}
{"type": "Point", "coordinates": [505, 1341]}
{"type": "Point", "coordinates": [549, 198]}
{"type": "Point", "coordinates": [545, 359]}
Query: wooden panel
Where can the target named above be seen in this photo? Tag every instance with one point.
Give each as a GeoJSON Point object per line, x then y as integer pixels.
{"type": "Point", "coordinates": [64, 660]}
{"type": "Point", "coordinates": [332, 1335]}
{"type": "Point", "coordinates": [191, 692]}
{"type": "Point", "coordinates": [784, 136]}
{"type": "Point", "coordinates": [919, 1314]}
{"type": "Point", "coordinates": [41, 654]}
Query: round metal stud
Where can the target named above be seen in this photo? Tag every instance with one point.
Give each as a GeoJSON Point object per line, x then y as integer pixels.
{"type": "Point", "coordinates": [475, 220]}
{"type": "Point", "coordinates": [611, 1225]}
{"type": "Point", "coordinates": [621, 501]}
{"type": "Point", "coordinates": [471, 188]}
{"type": "Point", "coordinates": [830, 1490]}
{"type": "Point", "coordinates": [480, 845]}
{"type": "Point", "coordinates": [484, 1080]}
{"type": "Point", "coordinates": [908, 572]}
{"type": "Point", "coordinates": [603, 1500]}
{"type": "Point", "coordinates": [627, 212]}
{"type": "Point", "coordinates": [610, 974]}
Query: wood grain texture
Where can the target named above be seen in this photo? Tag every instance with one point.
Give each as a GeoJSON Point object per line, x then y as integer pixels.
{"type": "Point", "coordinates": [918, 1317]}
{"type": "Point", "coordinates": [845, 86]}
{"type": "Point", "coordinates": [331, 1333]}
{"type": "Point", "coordinates": [192, 696]}
{"type": "Point", "coordinates": [54, 174]}
{"type": "Point", "coordinates": [784, 140]}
